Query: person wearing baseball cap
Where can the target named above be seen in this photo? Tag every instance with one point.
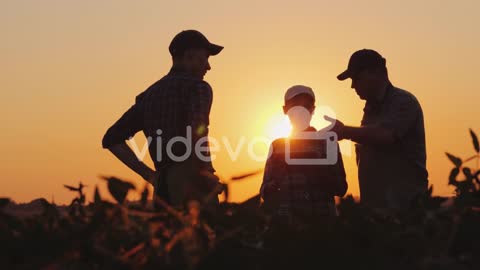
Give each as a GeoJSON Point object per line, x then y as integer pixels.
{"type": "Point", "coordinates": [390, 142]}
{"type": "Point", "coordinates": [189, 39]}
{"type": "Point", "coordinates": [177, 105]}
{"type": "Point", "coordinates": [299, 107]}
{"type": "Point", "coordinates": [292, 192]}
{"type": "Point", "coordinates": [190, 51]}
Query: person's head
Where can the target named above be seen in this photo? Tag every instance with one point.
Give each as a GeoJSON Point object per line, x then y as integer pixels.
{"type": "Point", "coordinates": [368, 71]}
{"type": "Point", "coordinates": [190, 51]}
{"type": "Point", "coordinates": [299, 106]}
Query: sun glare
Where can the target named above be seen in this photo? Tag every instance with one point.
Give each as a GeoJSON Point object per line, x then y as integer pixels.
{"type": "Point", "coordinates": [278, 127]}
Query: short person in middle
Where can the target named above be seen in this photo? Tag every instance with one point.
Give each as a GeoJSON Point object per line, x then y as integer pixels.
{"type": "Point", "coordinates": [296, 190]}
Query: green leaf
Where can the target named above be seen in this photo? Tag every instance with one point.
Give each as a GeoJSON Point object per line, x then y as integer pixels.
{"type": "Point", "coordinates": [96, 197]}
{"type": "Point", "coordinates": [475, 141]}
{"type": "Point", "coordinates": [455, 160]}
{"type": "Point", "coordinates": [118, 188]}
{"type": "Point", "coordinates": [468, 173]}
{"type": "Point", "coordinates": [477, 177]}
{"type": "Point", "coordinates": [452, 179]}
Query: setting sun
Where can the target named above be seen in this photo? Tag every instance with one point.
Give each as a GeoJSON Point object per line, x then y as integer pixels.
{"type": "Point", "coordinates": [196, 134]}
{"type": "Point", "coordinates": [89, 62]}
{"type": "Point", "coordinates": [278, 127]}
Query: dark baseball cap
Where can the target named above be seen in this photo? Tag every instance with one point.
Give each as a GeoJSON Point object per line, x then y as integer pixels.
{"type": "Point", "coordinates": [362, 60]}
{"type": "Point", "coordinates": [192, 39]}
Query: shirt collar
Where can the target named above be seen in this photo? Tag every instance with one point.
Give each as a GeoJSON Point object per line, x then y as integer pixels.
{"type": "Point", "coordinates": [310, 128]}
{"type": "Point", "coordinates": [179, 72]}
{"type": "Point", "coordinates": [376, 105]}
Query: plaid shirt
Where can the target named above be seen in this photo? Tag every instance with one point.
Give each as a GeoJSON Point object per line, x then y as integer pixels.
{"type": "Point", "coordinates": [302, 190]}
{"type": "Point", "coordinates": [392, 175]}
{"type": "Point", "coordinates": [164, 111]}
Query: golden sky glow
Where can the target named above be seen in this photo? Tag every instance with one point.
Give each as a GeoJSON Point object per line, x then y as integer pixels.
{"type": "Point", "coordinates": [71, 68]}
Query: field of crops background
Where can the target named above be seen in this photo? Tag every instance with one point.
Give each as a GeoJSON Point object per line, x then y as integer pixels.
{"type": "Point", "coordinates": [435, 233]}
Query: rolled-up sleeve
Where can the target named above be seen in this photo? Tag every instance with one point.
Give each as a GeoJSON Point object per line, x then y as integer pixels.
{"type": "Point", "coordinates": [130, 123]}
{"type": "Point", "coordinates": [201, 104]}
{"type": "Point", "coordinates": [401, 115]}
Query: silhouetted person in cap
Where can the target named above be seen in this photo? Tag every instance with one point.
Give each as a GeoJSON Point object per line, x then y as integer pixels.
{"type": "Point", "coordinates": [301, 191]}
{"type": "Point", "coordinates": [390, 143]}
{"type": "Point", "coordinates": [175, 107]}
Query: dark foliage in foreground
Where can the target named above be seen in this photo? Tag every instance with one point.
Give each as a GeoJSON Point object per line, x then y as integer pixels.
{"type": "Point", "coordinates": [435, 233]}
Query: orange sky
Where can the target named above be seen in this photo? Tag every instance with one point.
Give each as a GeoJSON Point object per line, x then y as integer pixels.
{"type": "Point", "coordinates": [71, 68]}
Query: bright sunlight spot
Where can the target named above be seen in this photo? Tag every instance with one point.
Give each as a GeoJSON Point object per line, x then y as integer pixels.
{"type": "Point", "coordinates": [278, 127]}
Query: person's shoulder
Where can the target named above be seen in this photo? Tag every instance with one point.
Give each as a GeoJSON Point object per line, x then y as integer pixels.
{"type": "Point", "coordinates": [279, 141]}
{"type": "Point", "coordinates": [277, 144]}
{"type": "Point", "coordinates": [201, 89]}
{"type": "Point", "coordinates": [202, 85]}
{"type": "Point", "coordinates": [147, 92]}
{"type": "Point", "coordinates": [404, 96]}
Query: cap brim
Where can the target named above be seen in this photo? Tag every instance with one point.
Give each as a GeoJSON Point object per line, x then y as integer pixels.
{"type": "Point", "coordinates": [344, 75]}
{"type": "Point", "coordinates": [214, 49]}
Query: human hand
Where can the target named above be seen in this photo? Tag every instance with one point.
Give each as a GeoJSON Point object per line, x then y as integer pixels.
{"type": "Point", "coordinates": [337, 126]}
{"type": "Point", "coordinates": [212, 181]}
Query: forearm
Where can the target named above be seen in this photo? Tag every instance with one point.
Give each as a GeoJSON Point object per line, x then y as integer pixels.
{"type": "Point", "coordinates": [125, 154]}
{"type": "Point", "coordinates": [368, 135]}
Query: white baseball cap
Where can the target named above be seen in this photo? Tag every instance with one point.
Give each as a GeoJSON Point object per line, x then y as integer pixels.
{"type": "Point", "coordinates": [297, 90]}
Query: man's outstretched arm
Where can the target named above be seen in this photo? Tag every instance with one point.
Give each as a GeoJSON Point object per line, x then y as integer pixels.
{"type": "Point", "coordinates": [395, 123]}
{"type": "Point", "coordinates": [368, 135]}
{"type": "Point", "coordinates": [362, 135]}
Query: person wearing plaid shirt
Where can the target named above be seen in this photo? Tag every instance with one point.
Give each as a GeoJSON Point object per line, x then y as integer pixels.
{"type": "Point", "coordinates": [302, 191]}
{"type": "Point", "coordinates": [175, 107]}
{"type": "Point", "coordinates": [390, 142]}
